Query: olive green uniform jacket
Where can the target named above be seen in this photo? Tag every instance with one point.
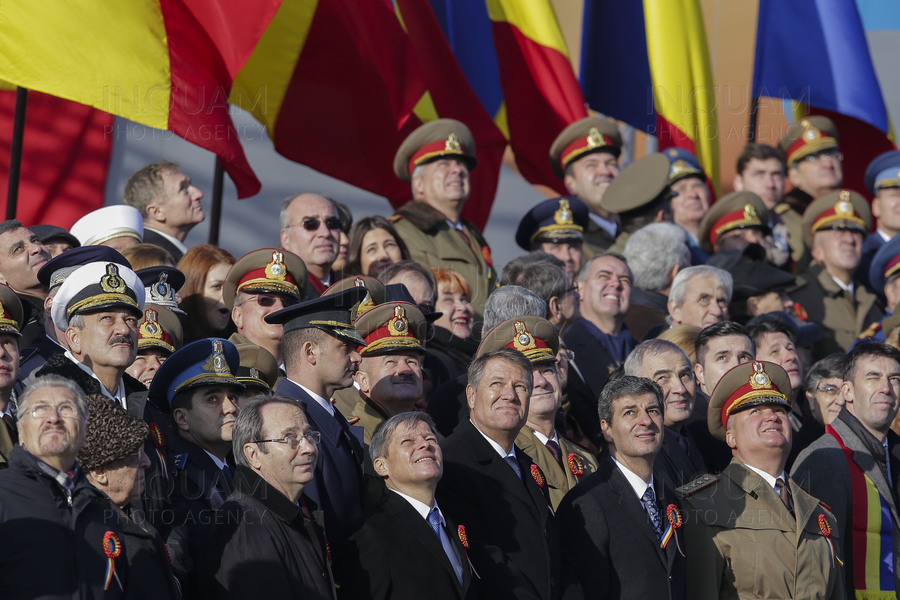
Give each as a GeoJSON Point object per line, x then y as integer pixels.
{"type": "Point", "coordinates": [841, 318]}
{"type": "Point", "coordinates": [368, 416]}
{"type": "Point", "coordinates": [433, 243]}
{"type": "Point", "coordinates": [742, 542]}
{"type": "Point", "coordinates": [560, 479]}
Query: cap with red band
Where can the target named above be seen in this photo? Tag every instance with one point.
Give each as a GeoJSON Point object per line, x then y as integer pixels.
{"type": "Point", "coordinates": [749, 384]}
{"type": "Point", "coordinates": [534, 337]}
{"type": "Point", "coordinates": [392, 327]}
{"type": "Point", "coordinates": [583, 137]}
{"type": "Point", "coordinates": [267, 270]}
{"type": "Point", "coordinates": [841, 210]}
{"type": "Point", "coordinates": [737, 210]}
{"type": "Point", "coordinates": [432, 141]}
{"type": "Point", "coordinates": [809, 136]}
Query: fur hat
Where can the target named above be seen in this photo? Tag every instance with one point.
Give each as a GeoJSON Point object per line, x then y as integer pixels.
{"type": "Point", "coordinates": [112, 433]}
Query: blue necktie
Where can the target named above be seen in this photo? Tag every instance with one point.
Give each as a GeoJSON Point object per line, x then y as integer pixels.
{"type": "Point", "coordinates": [512, 462]}
{"type": "Point", "coordinates": [649, 499]}
{"type": "Point", "coordinates": [434, 519]}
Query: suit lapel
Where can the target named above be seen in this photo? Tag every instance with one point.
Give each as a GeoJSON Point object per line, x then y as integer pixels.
{"type": "Point", "coordinates": [631, 505]}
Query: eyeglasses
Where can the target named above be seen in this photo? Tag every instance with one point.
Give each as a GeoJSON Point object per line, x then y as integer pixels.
{"type": "Point", "coordinates": [567, 354]}
{"type": "Point", "coordinates": [828, 389]}
{"type": "Point", "coordinates": [268, 301]}
{"type": "Point", "coordinates": [829, 154]}
{"type": "Point", "coordinates": [65, 411]}
{"type": "Point", "coordinates": [313, 223]}
{"type": "Point", "coordinates": [293, 440]}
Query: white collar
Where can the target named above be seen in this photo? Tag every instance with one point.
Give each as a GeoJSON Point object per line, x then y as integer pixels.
{"type": "Point", "coordinates": [175, 241]}
{"type": "Point", "coordinates": [219, 462]}
{"type": "Point", "coordinates": [457, 226]}
{"type": "Point", "coordinates": [883, 235]}
{"type": "Point", "coordinates": [847, 287]}
{"type": "Point", "coordinates": [767, 477]}
{"type": "Point", "coordinates": [119, 396]}
{"type": "Point", "coordinates": [497, 447]}
{"type": "Point", "coordinates": [421, 508]}
{"type": "Point", "coordinates": [328, 406]}
{"type": "Point", "coordinates": [609, 226]}
{"type": "Point", "coordinates": [637, 484]}
{"type": "Point", "coordinates": [543, 438]}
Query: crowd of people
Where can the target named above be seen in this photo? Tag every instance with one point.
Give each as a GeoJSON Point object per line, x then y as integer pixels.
{"type": "Point", "coordinates": [662, 397]}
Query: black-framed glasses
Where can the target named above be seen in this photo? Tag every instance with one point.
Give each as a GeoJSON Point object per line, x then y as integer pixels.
{"type": "Point", "coordinates": [313, 223]}
{"type": "Point", "coordinates": [293, 440]}
{"type": "Point", "coordinates": [270, 300]}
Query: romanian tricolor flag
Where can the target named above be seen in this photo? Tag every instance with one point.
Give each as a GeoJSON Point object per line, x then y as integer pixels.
{"type": "Point", "coordinates": [450, 96]}
{"type": "Point", "coordinates": [646, 62]}
{"type": "Point", "coordinates": [515, 59]}
{"type": "Point", "coordinates": [168, 64]}
{"type": "Point", "coordinates": [335, 83]}
{"type": "Point", "coordinates": [830, 72]}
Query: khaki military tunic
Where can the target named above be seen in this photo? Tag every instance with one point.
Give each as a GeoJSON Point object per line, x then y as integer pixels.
{"type": "Point", "coordinates": [742, 542]}
{"type": "Point", "coordinates": [369, 417]}
{"type": "Point", "coordinates": [596, 240]}
{"type": "Point", "coordinates": [841, 317]}
{"type": "Point", "coordinates": [6, 445]}
{"type": "Point", "coordinates": [433, 243]}
{"type": "Point", "coordinates": [560, 479]}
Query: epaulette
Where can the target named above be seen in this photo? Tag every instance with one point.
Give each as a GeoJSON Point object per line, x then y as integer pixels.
{"type": "Point", "coordinates": [180, 460]}
{"type": "Point", "coordinates": [822, 504]}
{"type": "Point", "coordinates": [782, 208]}
{"type": "Point", "coordinates": [353, 420]}
{"type": "Point", "coordinates": [870, 331]}
{"type": "Point", "coordinates": [700, 483]}
{"type": "Point", "coordinates": [395, 217]}
{"type": "Point", "coordinates": [578, 445]}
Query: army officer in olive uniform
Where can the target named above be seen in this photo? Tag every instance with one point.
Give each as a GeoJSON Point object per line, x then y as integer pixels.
{"type": "Point", "coordinates": [436, 159]}
{"type": "Point", "coordinates": [751, 531]}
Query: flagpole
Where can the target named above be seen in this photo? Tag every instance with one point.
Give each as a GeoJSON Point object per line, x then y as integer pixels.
{"type": "Point", "coordinates": [215, 215]}
{"type": "Point", "coordinates": [15, 154]}
{"type": "Point", "coordinates": [754, 110]}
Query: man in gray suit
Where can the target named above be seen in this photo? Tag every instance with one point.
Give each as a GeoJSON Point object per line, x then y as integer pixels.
{"type": "Point", "coordinates": [853, 469]}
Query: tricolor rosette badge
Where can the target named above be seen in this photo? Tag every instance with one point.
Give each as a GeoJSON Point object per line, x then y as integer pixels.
{"type": "Point", "coordinates": [112, 547]}
{"type": "Point", "coordinates": [675, 520]}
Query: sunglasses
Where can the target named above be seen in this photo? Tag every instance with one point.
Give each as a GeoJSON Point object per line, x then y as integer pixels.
{"type": "Point", "coordinates": [313, 223]}
{"type": "Point", "coordinates": [267, 301]}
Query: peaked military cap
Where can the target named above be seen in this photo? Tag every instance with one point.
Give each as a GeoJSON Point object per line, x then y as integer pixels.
{"type": "Point", "coordinates": [842, 209]}
{"type": "Point", "coordinates": [257, 368]}
{"type": "Point", "coordinates": [583, 137]}
{"type": "Point", "coordinates": [12, 314]}
{"type": "Point", "coordinates": [209, 361]}
{"type": "Point", "coordinates": [737, 210]}
{"type": "Point", "coordinates": [884, 171]}
{"type": "Point", "coordinates": [392, 327]}
{"type": "Point", "coordinates": [328, 313]}
{"type": "Point", "coordinates": [55, 270]}
{"type": "Point", "coordinates": [683, 164]}
{"type": "Point", "coordinates": [46, 233]}
{"type": "Point", "coordinates": [809, 136]}
{"type": "Point", "coordinates": [266, 271]}
{"type": "Point", "coordinates": [639, 184]}
{"type": "Point", "coordinates": [535, 337]}
{"type": "Point", "coordinates": [560, 219]}
{"type": "Point", "coordinates": [376, 293]}
{"type": "Point", "coordinates": [160, 328]}
{"type": "Point", "coordinates": [749, 384]}
{"type": "Point", "coordinates": [97, 286]}
{"type": "Point", "coordinates": [108, 223]}
{"type": "Point", "coordinates": [160, 284]}
{"type": "Point", "coordinates": [885, 264]}
{"type": "Point", "coordinates": [442, 138]}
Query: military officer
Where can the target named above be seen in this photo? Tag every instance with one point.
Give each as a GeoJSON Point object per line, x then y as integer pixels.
{"type": "Point", "coordinates": [735, 221]}
{"type": "Point", "coordinates": [883, 181]}
{"type": "Point", "coordinates": [436, 159]}
{"type": "Point", "coordinates": [556, 226]}
{"type": "Point", "coordinates": [159, 335]}
{"type": "Point", "coordinates": [389, 379]}
{"type": "Point", "coordinates": [11, 321]}
{"type": "Point", "coordinates": [562, 462]}
{"type": "Point", "coordinates": [639, 195]}
{"type": "Point", "coordinates": [834, 226]}
{"type": "Point", "coordinates": [814, 169]}
{"type": "Point", "coordinates": [585, 155]}
{"type": "Point", "coordinates": [258, 371]}
{"type": "Point", "coordinates": [161, 284]}
{"type": "Point", "coordinates": [751, 531]}
{"type": "Point", "coordinates": [118, 227]}
{"type": "Point", "coordinates": [690, 200]}
{"type": "Point", "coordinates": [260, 283]}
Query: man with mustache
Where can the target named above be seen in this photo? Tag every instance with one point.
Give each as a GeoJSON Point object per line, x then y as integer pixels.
{"type": "Point", "coordinates": [61, 524]}
{"type": "Point", "coordinates": [390, 369]}
{"type": "Point", "coordinates": [198, 385]}
{"type": "Point", "coordinates": [268, 541]}
{"type": "Point", "coordinates": [99, 307]}
{"type": "Point", "coordinates": [321, 355]}
{"type": "Point", "coordinates": [436, 160]}
{"type": "Point", "coordinates": [854, 468]}
{"type": "Point", "coordinates": [407, 547]}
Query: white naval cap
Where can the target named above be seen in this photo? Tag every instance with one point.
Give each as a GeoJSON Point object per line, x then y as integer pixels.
{"type": "Point", "coordinates": [107, 223]}
{"type": "Point", "coordinates": [96, 286]}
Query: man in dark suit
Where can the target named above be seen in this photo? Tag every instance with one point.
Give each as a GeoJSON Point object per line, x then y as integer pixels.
{"type": "Point", "coordinates": [619, 526]}
{"type": "Point", "coordinates": [406, 547]}
{"type": "Point", "coordinates": [320, 357]}
{"type": "Point", "coordinates": [493, 488]}
{"type": "Point", "coordinates": [169, 204]}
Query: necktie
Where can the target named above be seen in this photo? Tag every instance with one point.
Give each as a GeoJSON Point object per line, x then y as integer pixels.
{"type": "Point", "coordinates": [434, 519]}
{"type": "Point", "coordinates": [649, 499]}
{"type": "Point", "coordinates": [553, 447]}
{"type": "Point", "coordinates": [514, 465]}
{"type": "Point", "coordinates": [227, 470]}
{"type": "Point", "coordinates": [785, 494]}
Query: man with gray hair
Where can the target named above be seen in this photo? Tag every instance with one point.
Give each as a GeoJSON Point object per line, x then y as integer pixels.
{"type": "Point", "coordinates": [668, 366]}
{"type": "Point", "coordinates": [615, 543]}
{"type": "Point", "coordinates": [60, 523]}
{"type": "Point", "coordinates": [655, 254]}
{"type": "Point", "coordinates": [604, 288]}
{"type": "Point", "coordinates": [546, 276]}
{"type": "Point", "coordinates": [406, 546]}
{"type": "Point", "coordinates": [266, 525]}
{"type": "Point", "coordinates": [699, 296]}
{"type": "Point", "coordinates": [493, 488]}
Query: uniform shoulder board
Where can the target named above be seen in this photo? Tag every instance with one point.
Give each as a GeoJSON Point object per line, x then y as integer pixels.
{"type": "Point", "coordinates": [353, 420]}
{"type": "Point", "coordinates": [700, 483]}
{"type": "Point", "coordinates": [395, 217]}
{"type": "Point", "coordinates": [578, 445]}
{"type": "Point", "coordinates": [870, 331]}
{"type": "Point", "coordinates": [180, 460]}
{"type": "Point", "coordinates": [822, 504]}
{"type": "Point", "coordinates": [782, 208]}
